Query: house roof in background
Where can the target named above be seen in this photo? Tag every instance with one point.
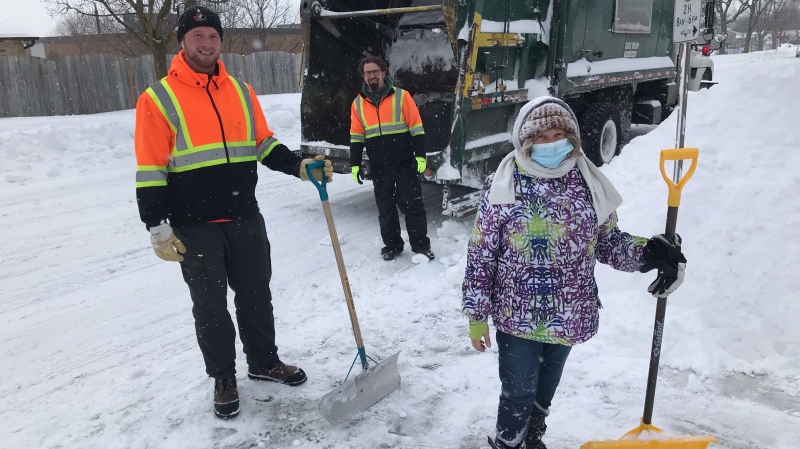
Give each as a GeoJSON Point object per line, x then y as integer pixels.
{"type": "Point", "coordinates": [17, 36]}
{"type": "Point", "coordinates": [293, 28]}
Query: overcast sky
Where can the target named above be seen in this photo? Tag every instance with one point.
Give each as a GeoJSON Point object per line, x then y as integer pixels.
{"type": "Point", "coordinates": [26, 17]}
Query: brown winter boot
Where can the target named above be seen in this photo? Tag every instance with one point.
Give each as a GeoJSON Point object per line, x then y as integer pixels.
{"type": "Point", "coordinates": [278, 372]}
{"type": "Point", "coordinates": [226, 398]}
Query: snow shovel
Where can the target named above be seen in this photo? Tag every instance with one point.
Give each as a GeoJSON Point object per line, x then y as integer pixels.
{"type": "Point", "coordinates": [374, 382]}
{"type": "Point", "coordinates": [648, 436]}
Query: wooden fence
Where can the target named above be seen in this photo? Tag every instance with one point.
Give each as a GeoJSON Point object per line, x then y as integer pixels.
{"type": "Point", "coordinates": [87, 84]}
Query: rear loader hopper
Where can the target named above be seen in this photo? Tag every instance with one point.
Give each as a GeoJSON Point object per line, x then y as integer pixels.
{"type": "Point", "coordinates": [471, 64]}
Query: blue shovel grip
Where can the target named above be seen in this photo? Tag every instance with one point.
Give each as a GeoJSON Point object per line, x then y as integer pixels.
{"type": "Point", "coordinates": [323, 192]}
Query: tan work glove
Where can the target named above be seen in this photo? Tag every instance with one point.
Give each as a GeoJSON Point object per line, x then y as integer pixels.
{"type": "Point", "coordinates": [328, 169]}
{"type": "Point", "coordinates": [165, 244]}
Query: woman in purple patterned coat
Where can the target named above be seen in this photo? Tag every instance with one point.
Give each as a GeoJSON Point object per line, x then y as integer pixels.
{"type": "Point", "coordinates": [547, 215]}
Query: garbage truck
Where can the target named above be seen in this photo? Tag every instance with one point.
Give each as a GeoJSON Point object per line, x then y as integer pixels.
{"type": "Point", "coordinates": [471, 64]}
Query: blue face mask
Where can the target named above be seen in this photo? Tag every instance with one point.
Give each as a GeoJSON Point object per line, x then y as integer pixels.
{"type": "Point", "coordinates": [551, 154]}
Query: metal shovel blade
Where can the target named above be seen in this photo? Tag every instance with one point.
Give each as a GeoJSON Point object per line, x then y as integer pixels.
{"type": "Point", "coordinates": [362, 391]}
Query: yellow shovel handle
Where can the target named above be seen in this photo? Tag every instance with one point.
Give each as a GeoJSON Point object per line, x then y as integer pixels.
{"type": "Point", "coordinates": [678, 154]}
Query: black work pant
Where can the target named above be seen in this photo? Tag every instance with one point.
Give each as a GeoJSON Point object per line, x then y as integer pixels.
{"type": "Point", "coordinates": [398, 185]}
{"type": "Point", "coordinates": [236, 254]}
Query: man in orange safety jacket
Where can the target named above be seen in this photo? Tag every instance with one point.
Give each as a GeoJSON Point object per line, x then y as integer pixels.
{"type": "Point", "coordinates": [385, 119]}
{"type": "Point", "coordinates": [200, 134]}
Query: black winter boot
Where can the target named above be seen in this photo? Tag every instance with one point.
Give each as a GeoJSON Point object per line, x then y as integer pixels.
{"type": "Point", "coordinates": [536, 430]}
{"type": "Point", "coordinates": [390, 253]}
{"type": "Point", "coordinates": [494, 443]}
{"type": "Point", "coordinates": [425, 252]}
{"type": "Point", "coordinates": [226, 398]}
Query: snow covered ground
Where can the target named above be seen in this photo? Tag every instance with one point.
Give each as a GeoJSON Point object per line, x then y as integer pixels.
{"type": "Point", "coordinates": [98, 347]}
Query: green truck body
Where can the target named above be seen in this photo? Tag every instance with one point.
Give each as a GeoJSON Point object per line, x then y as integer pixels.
{"type": "Point", "coordinates": [470, 65]}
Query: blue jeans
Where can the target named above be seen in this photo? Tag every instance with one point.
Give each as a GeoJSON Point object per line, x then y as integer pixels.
{"type": "Point", "coordinates": [529, 374]}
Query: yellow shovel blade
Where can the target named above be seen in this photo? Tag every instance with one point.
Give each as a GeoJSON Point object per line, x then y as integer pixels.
{"type": "Point", "coordinates": [648, 436]}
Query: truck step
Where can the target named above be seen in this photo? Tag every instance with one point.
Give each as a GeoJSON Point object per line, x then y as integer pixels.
{"type": "Point", "coordinates": [460, 206]}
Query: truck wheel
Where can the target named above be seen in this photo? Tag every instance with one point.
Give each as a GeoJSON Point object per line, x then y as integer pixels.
{"type": "Point", "coordinates": [601, 133]}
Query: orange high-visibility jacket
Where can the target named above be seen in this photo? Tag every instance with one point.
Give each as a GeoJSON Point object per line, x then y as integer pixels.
{"type": "Point", "coordinates": [392, 131]}
{"type": "Point", "coordinates": [198, 140]}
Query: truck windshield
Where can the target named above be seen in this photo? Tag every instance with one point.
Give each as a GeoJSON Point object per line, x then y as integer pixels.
{"type": "Point", "coordinates": [633, 16]}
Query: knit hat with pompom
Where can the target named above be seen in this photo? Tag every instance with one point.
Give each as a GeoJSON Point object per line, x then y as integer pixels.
{"type": "Point", "coordinates": [546, 117]}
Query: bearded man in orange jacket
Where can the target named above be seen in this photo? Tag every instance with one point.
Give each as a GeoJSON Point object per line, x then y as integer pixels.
{"type": "Point", "coordinates": [385, 120]}
{"type": "Point", "coordinates": [199, 136]}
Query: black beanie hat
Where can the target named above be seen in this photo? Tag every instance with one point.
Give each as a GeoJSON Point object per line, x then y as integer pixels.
{"type": "Point", "coordinates": [198, 16]}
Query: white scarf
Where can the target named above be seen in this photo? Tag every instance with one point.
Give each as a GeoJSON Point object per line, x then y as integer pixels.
{"type": "Point", "coordinates": [605, 197]}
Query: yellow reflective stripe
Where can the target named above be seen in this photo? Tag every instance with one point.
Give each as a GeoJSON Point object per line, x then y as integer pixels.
{"type": "Point", "coordinates": [387, 133]}
{"type": "Point", "coordinates": [151, 176]}
{"type": "Point", "coordinates": [210, 146]}
{"type": "Point", "coordinates": [397, 103]}
{"type": "Point", "coordinates": [151, 184]}
{"type": "Point", "coordinates": [196, 159]}
{"type": "Point", "coordinates": [238, 150]}
{"type": "Point", "coordinates": [395, 127]}
{"type": "Point", "coordinates": [198, 149]}
{"type": "Point", "coordinates": [160, 107]}
{"type": "Point", "coordinates": [211, 163]}
{"type": "Point", "coordinates": [385, 124]}
{"type": "Point", "coordinates": [360, 111]}
{"type": "Point", "coordinates": [243, 159]}
{"type": "Point", "coordinates": [211, 156]}
{"type": "Point", "coordinates": [266, 147]}
{"type": "Point", "coordinates": [356, 137]}
{"type": "Point", "coordinates": [247, 107]}
{"type": "Point", "coordinates": [415, 130]}
{"type": "Point", "coordinates": [198, 165]}
{"type": "Point", "coordinates": [387, 129]}
{"type": "Point", "coordinates": [184, 130]}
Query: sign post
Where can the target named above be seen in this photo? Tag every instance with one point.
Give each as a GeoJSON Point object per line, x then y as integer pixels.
{"type": "Point", "coordinates": [685, 30]}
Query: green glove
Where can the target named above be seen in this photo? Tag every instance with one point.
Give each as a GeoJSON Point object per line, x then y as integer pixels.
{"type": "Point", "coordinates": [356, 176]}
{"type": "Point", "coordinates": [421, 164]}
{"type": "Point", "coordinates": [478, 330]}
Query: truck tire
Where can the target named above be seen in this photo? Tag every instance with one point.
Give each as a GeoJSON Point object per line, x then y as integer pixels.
{"type": "Point", "coordinates": [601, 133]}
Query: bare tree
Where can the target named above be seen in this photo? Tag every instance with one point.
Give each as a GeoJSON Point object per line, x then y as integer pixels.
{"type": "Point", "coordinates": [266, 18]}
{"type": "Point", "coordinates": [74, 24]}
{"type": "Point", "coordinates": [789, 21]}
{"type": "Point", "coordinates": [728, 12]}
{"type": "Point", "coordinates": [755, 12]}
{"type": "Point", "coordinates": [778, 18]}
{"type": "Point", "coordinates": [152, 22]}
{"type": "Point", "coordinates": [264, 13]}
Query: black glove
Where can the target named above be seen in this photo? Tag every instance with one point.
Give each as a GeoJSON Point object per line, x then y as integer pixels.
{"type": "Point", "coordinates": [664, 254]}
